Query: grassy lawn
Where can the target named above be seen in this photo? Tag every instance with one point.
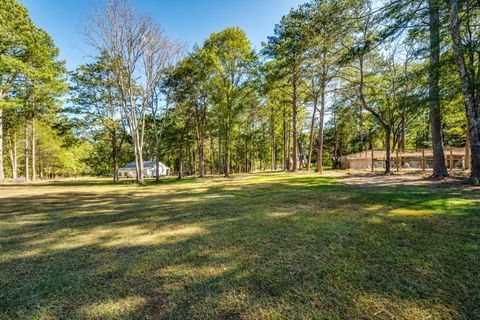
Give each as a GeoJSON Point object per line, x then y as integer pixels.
{"type": "Point", "coordinates": [271, 246]}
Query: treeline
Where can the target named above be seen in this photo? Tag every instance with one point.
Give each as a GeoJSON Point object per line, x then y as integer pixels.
{"type": "Point", "coordinates": [336, 77]}
{"type": "Point", "coordinates": [35, 139]}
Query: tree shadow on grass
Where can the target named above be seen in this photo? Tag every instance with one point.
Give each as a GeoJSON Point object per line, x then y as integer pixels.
{"type": "Point", "coordinates": [299, 247]}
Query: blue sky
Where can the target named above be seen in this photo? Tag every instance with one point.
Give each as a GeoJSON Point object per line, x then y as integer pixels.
{"type": "Point", "coordinates": [190, 21]}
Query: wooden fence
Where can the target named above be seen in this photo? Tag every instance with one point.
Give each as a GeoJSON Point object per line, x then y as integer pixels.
{"type": "Point", "coordinates": [419, 159]}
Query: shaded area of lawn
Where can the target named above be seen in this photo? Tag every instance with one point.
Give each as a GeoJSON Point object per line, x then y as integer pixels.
{"type": "Point", "coordinates": [268, 246]}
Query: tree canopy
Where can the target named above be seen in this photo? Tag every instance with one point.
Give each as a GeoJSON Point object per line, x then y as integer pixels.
{"type": "Point", "coordinates": [335, 77]}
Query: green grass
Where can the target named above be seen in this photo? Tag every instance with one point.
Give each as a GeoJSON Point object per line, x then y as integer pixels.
{"type": "Point", "coordinates": [272, 246]}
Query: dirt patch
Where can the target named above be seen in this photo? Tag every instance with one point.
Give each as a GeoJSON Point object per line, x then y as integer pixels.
{"type": "Point", "coordinates": [412, 178]}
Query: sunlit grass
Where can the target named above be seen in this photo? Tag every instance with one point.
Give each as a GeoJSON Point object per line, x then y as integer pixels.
{"type": "Point", "coordinates": [113, 308]}
{"type": "Point", "coordinates": [266, 246]}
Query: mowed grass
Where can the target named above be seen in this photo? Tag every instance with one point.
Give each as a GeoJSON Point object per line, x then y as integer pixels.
{"type": "Point", "coordinates": [271, 246]}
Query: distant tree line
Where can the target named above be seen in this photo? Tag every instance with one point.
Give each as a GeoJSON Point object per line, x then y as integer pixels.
{"type": "Point", "coordinates": [34, 138]}
{"type": "Point", "coordinates": [336, 77]}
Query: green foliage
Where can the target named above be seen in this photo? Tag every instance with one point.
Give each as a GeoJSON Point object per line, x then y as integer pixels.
{"type": "Point", "coordinates": [16, 38]}
{"type": "Point", "coordinates": [211, 89]}
{"type": "Point", "coordinates": [233, 62]}
{"type": "Point", "coordinates": [32, 83]}
{"type": "Point", "coordinates": [55, 158]}
{"type": "Point", "coordinates": [96, 104]}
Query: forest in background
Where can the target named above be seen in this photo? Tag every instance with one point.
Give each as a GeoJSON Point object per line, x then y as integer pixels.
{"type": "Point", "coordinates": [335, 77]}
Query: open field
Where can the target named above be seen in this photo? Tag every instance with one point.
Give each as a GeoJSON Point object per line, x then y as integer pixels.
{"type": "Point", "coordinates": [267, 246]}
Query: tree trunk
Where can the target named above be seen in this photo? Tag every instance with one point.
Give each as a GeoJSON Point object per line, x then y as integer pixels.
{"type": "Point", "coordinates": [237, 156]}
{"type": "Point", "coordinates": [294, 122]}
{"type": "Point", "coordinates": [189, 159]}
{"type": "Point", "coordinates": [337, 144]}
{"type": "Point", "coordinates": [116, 177]}
{"type": "Point", "coordinates": [253, 153]}
{"type": "Point", "coordinates": [115, 156]}
{"type": "Point", "coordinates": [219, 153]}
{"type": "Point", "coordinates": [157, 157]}
{"type": "Point", "coordinates": [27, 165]}
{"type": "Point", "coordinates": [284, 141]}
{"type": "Point", "coordinates": [226, 159]}
{"type": "Point", "coordinates": [470, 95]}
{"type": "Point", "coordinates": [40, 164]}
{"type": "Point", "coordinates": [321, 129]}
{"type": "Point", "coordinates": [362, 130]}
{"type": "Point", "coordinates": [34, 171]}
{"type": "Point", "coordinates": [247, 169]}
{"type": "Point", "coordinates": [193, 161]}
{"type": "Point", "coordinates": [2, 172]}
{"type": "Point", "coordinates": [289, 137]}
{"type": "Point", "coordinates": [312, 126]}
{"type": "Point", "coordinates": [388, 133]}
{"type": "Point", "coordinates": [213, 155]}
{"type": "Point", "coordinates": [138, 158]}
{"type": "Point", "coordinates": [386, 125]}
{"type": "Point", "coordinates": [180, 163]}
{"type": "Point", "coordinates": [13, 155]}
{"type": "Point", "coordinates": [201, 155]}
{"type": "Point", "coordinates": [439, 168]}
{"type": "Point", "coordinates": [32, 146]}
{"type": "Point", "coordinates": [363, 103]}
{"type": "Point", "coordinates": [301, 156]}
{"type": "Point", "coordinates": [273, 164]}
{"type": "Point", "coordinates": [140, 177]}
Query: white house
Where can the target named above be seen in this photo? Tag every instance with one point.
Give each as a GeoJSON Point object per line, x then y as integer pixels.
{"type": "Point", "coordinates": [149, 170]}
